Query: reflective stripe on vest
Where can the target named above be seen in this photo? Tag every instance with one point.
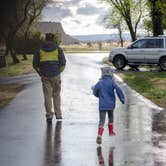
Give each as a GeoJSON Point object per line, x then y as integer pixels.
{"type": "Point", "coordinates": [48, 56]}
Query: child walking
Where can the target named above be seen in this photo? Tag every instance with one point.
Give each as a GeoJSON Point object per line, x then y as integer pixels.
{"type": "Point", "coordinates": [104, 90]}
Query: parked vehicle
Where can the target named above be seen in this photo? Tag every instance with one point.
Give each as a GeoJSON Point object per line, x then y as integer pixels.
{"type": "Point", "coordinates": [145, 51]}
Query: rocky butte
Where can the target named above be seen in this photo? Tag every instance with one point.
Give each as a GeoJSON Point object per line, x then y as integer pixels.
{"type": "Point", "coordinates": [56, 27]}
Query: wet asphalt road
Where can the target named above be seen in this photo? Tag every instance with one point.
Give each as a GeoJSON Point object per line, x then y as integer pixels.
{"type": "Point", "coordinates": [26, 139]}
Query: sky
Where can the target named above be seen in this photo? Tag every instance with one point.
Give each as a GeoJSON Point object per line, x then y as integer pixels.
{"type": "Point", "coordinates": [78, 17]}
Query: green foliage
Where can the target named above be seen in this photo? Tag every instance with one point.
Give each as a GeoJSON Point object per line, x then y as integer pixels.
{"type": "Point", "coordinates": [164, 14]}
{"type": "Point", "coordinates": [148, 25]}
{"type": "Point", "coordinates": [33, 42]}
{"type": "Point", "coordinates": [157, 10]}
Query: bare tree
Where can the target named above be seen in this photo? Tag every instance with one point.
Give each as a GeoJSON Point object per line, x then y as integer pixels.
{"type": "Point", "coordinates": [131, 12]}
{"type": "Point", "coordinates": [114, 20]}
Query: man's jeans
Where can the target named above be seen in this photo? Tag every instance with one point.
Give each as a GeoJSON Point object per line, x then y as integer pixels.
{"type": "Point", "coordinates": [102, 115]}
{"type": "Point", "coordinates": [51, 91]}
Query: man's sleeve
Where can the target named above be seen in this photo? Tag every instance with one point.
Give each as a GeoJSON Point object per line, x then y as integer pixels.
{"type": "Point", "coordinates": [36, 62]}
{"type": "Point", "coordinates": [62, 59]}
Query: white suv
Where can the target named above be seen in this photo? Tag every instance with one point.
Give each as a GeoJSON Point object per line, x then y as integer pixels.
{"type": "Point", "coordinates": [146, 51]}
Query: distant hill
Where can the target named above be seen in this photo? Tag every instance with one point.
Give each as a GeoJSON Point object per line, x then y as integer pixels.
{"type": "Point", "coordinates": [56, 27]}
{"type": "Point", "coordinates": [101, 37]}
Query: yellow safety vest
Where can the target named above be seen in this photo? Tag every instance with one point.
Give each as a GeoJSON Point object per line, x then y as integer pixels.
{"type": "Point", "coordinates": [49, 56]}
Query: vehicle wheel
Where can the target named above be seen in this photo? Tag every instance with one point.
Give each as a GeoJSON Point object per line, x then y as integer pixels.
{"type": "Point", "coordinates": [119, 62]}
{"type": "Point", "coordinates": [162, 63]}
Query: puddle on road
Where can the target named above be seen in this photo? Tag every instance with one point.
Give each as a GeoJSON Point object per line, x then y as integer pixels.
{"type": "Point", "coordinates": [159, 137]}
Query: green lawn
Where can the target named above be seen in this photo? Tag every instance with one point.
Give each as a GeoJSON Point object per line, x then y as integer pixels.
{"type": "Point", "coordinates": [150, 84]}
{"type": "Point", "coordinates": [8, 92]}
{"type": "Point", "coordinates": [16, 69]}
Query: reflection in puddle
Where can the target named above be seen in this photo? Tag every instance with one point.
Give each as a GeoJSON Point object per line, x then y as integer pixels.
{"type": "Point", "coordinates": [101, 158]}
{"type": "Point", "coordinates": [134, 138]}
{"type": "Point", "coordinates": [159, 137]}
{"type": "Point", "coordinates": [159, 122]}
{"type": "Point", "coordinates": [52, 154]}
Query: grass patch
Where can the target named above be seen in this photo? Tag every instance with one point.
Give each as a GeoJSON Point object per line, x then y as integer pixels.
{"type": "Point", "coordinates": [8, 92]}
{"type": "Point", "coordinates": [150, 84]}
{"type": "Point", "coordinates": [23, 67]}
{"type": "Point", "coordinates": [91, 46]}
{"type": "Point", "coordinates": [83, 47]}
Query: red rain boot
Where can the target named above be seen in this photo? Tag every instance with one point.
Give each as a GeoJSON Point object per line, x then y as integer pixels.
{"type": "Point", "coordinates": [99, 137]}
{"type": "Point", "coordinates": [111, 129]}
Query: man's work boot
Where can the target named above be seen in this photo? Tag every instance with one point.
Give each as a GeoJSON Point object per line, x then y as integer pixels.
{"type": "Point", "coordinates": [59, 117]}
{"type": "Point", "coordinates": [99, 137]}
{"type": "Point", "coordinates": [111, 129]}
{"type": "Point", "coordinates": [49, 120]}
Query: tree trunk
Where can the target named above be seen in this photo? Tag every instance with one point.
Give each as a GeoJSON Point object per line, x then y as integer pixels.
{"type": "Point", "coordinates": [14, 57]}
{"type": "Point", "coordinates": [120, 36]}
{"type": "Point", "coordinates": [6, 50]}
{"type": "Point", "coordinates": [25, 44]}
{"type": "Point", "coordinates": [132, 33]}
{"type": "Point", "coordinates": [157, 24]}
{"type": "Point", "coordinates": [131, 30]}
{"type": "Point", "coordinates": [13, 54]}
{"type": "Point", "coordinates": [24, 57]}
{"type": "Point", "coordinates": [156, 15]}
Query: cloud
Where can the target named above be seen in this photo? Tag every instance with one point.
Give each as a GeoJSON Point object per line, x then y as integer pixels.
{"type": "Point", "coordinates": [88, 9]}
{"type": "Point", "coordinates": [56, 13]}
{"type": "Point", "coordinates": [76, 16]}
{"type": "Point", "coordinates": [57, 10]}
{"type": "Point", "coordinates": [72, 2]}
{"type": "Point", "coordinates": [65, 3]}
{"type": "Point", "coordinates": [77, 21]}
{"type": "Point", "coordinates": [88, 25]}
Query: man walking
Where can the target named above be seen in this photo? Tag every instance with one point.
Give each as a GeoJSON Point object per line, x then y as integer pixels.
{"type": "Point", "coordinates": [49, 62]}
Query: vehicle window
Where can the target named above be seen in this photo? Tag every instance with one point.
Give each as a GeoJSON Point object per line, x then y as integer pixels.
{"type": "Point", "coordinates": [159, 43]}
{"type": "Point", "coordinates": [154, 43]}
{"type": "Point", "coordinates": [148, 43]}
{"type": "Point", "coordinates": [140, 44]}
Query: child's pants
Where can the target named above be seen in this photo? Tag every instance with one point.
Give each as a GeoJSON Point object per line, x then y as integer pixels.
{"type": "Point", "coordinates": [102, 115]}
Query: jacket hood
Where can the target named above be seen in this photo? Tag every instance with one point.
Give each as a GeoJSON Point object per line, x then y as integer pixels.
{"type": "Point", "coordinates": [49, 46]}
{"type": "Point", "coordinates": [107, 71]}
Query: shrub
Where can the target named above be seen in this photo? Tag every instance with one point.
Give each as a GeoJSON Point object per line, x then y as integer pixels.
{"type": "Point", "coordinates": [33, 42]}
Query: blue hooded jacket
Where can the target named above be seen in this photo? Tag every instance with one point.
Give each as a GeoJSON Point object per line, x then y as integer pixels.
{"type": "Point", "coordinates": [104, 90]}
